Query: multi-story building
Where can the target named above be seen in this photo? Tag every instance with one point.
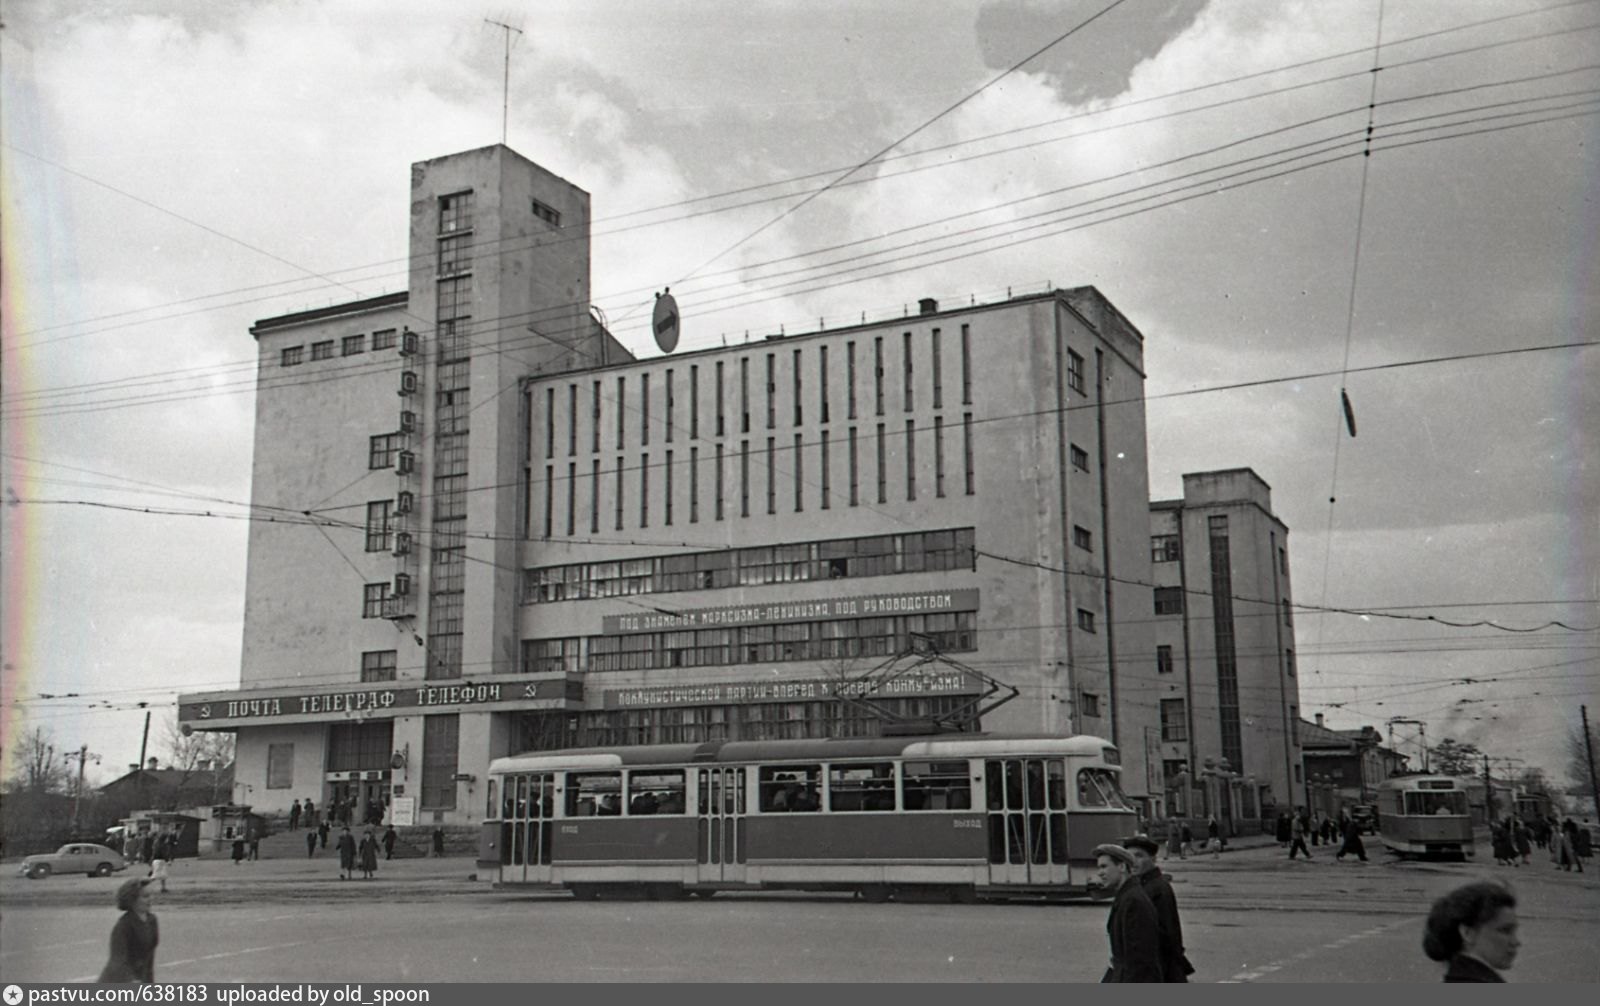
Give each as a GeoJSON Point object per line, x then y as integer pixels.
{"type": "Point", "coordinates": [1227, 702]}
{"type": "Point", "coordinates": [503, 532]}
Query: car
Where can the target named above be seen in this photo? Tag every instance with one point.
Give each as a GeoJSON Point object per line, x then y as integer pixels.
{"type": "Point", "coordinates": [1366, 818]}
{"type": "Point", "coordinates": [74, 857]}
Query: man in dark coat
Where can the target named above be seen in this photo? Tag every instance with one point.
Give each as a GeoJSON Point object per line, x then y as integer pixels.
{"type": "Point", "coordinates": [347, 854]}
{"type": "Point", "coordinates": [1175, 966]}
{"type": "Point", "coordinates": [1132, 927]}
{"type": "Point", "coordinates": [1352, 841]}
{"type": "Point", "coordinates": [389, 838]}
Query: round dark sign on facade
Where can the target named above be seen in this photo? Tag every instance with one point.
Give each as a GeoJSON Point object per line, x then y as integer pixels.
{"type": "Point", "coordinates": [664, 322]}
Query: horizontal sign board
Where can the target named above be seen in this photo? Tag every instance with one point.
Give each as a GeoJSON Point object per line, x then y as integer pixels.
{"type": "Point", "coordinates": [778, 612]}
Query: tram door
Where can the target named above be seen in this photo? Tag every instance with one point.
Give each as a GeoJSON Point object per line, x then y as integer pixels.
{"type": "Point", "coordinates": [527, 828]}
{"type": "Point", "coordinates": [722, 851]}
{"type": "Point", "coordinates": [1027, 804]}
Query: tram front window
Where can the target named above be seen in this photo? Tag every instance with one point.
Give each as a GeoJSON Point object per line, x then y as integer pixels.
{"type": "Point", "coordinates": [1427, 804]}
{"type": "Point", "coordinates": [1097, 787]}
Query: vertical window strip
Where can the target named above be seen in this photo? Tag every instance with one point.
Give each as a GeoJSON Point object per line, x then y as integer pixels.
{"type": "Point", "coordinates": [720, 427]}
{"type": "Point", "coordinates": [670, 403]}
{"type": "Point", "coordinates": [594, 497]}
{"type": "Point", "coordinates": [797, 389]}
{"type": "Point", "coordinates": [721, 467]}
{"type": "Point", "coordinates": [772, 477]}
{"type": "Point", "coordinates": [772, 388]}
{"type": "Point", "coordinates": [644, 490]}
{"type": "Point", "coordinates": [877, 375]}
{"type": "Point", "coordinates": [572, 498]}
{"type": "Point", "coordinates": [966, 365]}
{"type": "Point", "coordinates": [595, 420]}
{"type": "Point", "coordinates": [883, 484]}
{"type": "Point", "coordinates": [822, 381]}
{"type": "Point", "coordinates": [694, 485]}
{"type": "Point", "coordinates": [938, 387]}
{"type": "Point", "coordinates": [694, 402]}
{"type": "Point", "coordinates": [938, 456]}
{"type": "Point", "coordinates": [855, 481]}
{"type": "Point", "coordinates": [744, 478]}
{"type": "Point", "coordinates": [744, 394]}
{"type": "Point", "coordinates": [911, 459]}
{"type": "Point", "coordinates": [825, 502]}
{"type": "Point", "coordinates": [850, 378]}
{"type": "Point", "coordinates": [966, 450]}
{"type": "Point", "coordinates": [572, 420]}
{"type": "Point", "coordinates": [667, 489]}
{"type": "Point", "coordinates": [549, 422]}
{"type": "Point", "coordinates": [910, 383]}
{"type": "Point", "coordinates": [622, 411]}
{"type": "Point", "coordinates": [644, 410]}
{"type": "Point", "coordinates": [620, 493]}
{"type": "Point", "coordinates": [799, 476]}
{"type": "Point", "coordinates": [549, 499]}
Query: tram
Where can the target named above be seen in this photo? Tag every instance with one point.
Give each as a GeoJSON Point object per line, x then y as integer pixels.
{"type": "Point", "coordinates": [1424, 816]}
{"type": "Point", "coordinates": [963, 816]}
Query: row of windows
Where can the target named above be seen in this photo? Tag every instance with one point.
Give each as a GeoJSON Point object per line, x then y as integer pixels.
{"type": "Point", "coordinates": [568, 415]}
{"type": "Point", "coordinates": [350, 345]}
{"type": "Point", "coordinates": [832, 559]}
{"type": "Point", "coordinates": [1164, 664]}
{"type": "Point", "coordinates": [950, 632]}
{"type": "Point", "coordinates": [562, 487]}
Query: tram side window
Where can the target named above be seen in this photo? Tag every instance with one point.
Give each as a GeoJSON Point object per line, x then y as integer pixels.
{"type": "Point", "coordinates": [935, 785]}
{"type": "Point", "coordinates": [1429, 804]}
{"type": "Point", "coordinates": [594, 794]}
{"type": "Point", "coordinates": [861, 787]}
{"type": "Point", "coordinates": [786, 788]}
{"type": "Point", "coordinates": [655, 792]}
{"type": "Point", "coordinates": [1097, 787]}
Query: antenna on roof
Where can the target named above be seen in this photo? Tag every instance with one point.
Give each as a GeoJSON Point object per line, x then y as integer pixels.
{"type": "Point", "coordinates": [505, 85]}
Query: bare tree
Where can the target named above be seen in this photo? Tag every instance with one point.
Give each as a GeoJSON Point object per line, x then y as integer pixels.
{"type": "Point", "coordinates": [38, 765]}
{"type": "Point", "coordinates": [194, 751]}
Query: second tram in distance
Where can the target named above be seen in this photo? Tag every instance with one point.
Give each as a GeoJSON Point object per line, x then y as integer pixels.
{"type": "Point", "coordinates": [1425, 815]}
{"type": "Point", "coordinates": [964, 815]}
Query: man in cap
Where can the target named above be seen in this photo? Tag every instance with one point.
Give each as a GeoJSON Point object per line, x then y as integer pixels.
{"type": "Point", "coordinates": [1132, 927]}
{"type": "Point", "coordinates": [1175, 967]}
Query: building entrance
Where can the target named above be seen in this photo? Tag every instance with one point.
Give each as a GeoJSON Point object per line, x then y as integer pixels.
{"type": "Point", "coordinates": [358, 801]}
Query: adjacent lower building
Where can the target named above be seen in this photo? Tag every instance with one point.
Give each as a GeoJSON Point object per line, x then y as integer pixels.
{"type": "Point", "coordinates": [496, 530]}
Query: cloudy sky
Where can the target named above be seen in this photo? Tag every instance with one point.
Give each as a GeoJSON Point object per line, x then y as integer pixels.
{"type": "Point", "coordinates": [175, 169]}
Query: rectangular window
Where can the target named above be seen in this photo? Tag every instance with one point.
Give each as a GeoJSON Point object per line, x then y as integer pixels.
{"type": "Point", "coordinates": [622, 410]}
{"type": "Point", "coordinates": [1169, 600]}
{"type": "Point", "coordinates": [548, 214]}
{"type": "Point", "coordinates": [384, 339]}
{"type": "Point", "coordinates": [594, 496]}
{"type": "Point", "coordinates": [1174, 726]}
{"type": "Point", "coordinates": [372, 597]}
{"type": "Point", "coordinates": [572, 420]}
{"type": "Point", "coordinates": [694, 485]}
{"type": "Point", "coordinates": [620, 492]}
{"type": "Point", "coordinates": [644, 410]}
{"type": "Point", "coordinates": [744, 478]}
{"type": "Point", "coordinates": [855, 479]}
{"type": "Point", "coordinates": [1163, 659]}
{"type": "Point", "coordinates": [799, 476]}
{"type": "Point", "coordinates": [883, 475]}
{"type": "Point", "coordinates": [1075, 372]}
{"type": "Point", "coordinates": [721, 428]}
{"type": "Point", "coordinates": [936, 785]}
{"type": "Point", "coordinates": [790, 788]}
{"type": "Point", "coordinates": [822, 381]}
{"type": "Point", "coordinates": [1090, 704]}
{"type": "Point", "coordinates": [292, 356]}
{"type": "Point", "coordinates": [850, 377]}
{"type": "Point", "coordinates": [911, 459]}
{"type": "Point", "coordinates": [772, 478]}
{"type": "Point", "coordinates": [440, 739]}
{"type": "Point", "coordinates": [938, 368]}
{"type": "Point", "coordinates": [861, 787]}
{"type": "Point", "coordinates": [644, 490]}
{"type": "Point", "coordinates": [694, 402]}
{"type": "Point", "coordinates": [455, 254]}
{"type": "Point", "coordinates": [1283, 561]}
{"type": "Point", "coordinates": [1083, 538]}
{"type": "Point", "coordinates": [877, 374]}
{"type": "Point", "coordinates": [721, 468]}
{"type": "Point", "coordinates": [826, 503]}
{"type": "Point", "coordinates": [1288, 662]}
{"type": "Point", "coordinates": [1288, 616]}
{"type": "Point", "coordinates": [378, 665]}
{"type": "Point", "coordinates": [1164, 548]}
{"type": "Point", "coordinates": [772, 391]}
{"type": "Point", "coordinates": [280, 766]}
{"type": "Point", "coordinates": [378, 525]}
{"type": "Point", "coordinates": [744, 394]}
{"type": "Point", "coordinates": [322, 350]}
{"type": "Point", "coordinates": [550, 422]}
{"type": "Point", "coordinates": [1080, 458]}
{"type": "Point", "coordinates": [666, 489]}
{"type": "Point", "coordinates": [966, 365]}
{"type": "Point", "coordinates": [572, 498]}
{"type": "Point", "coordinates": [670, 404]}
{"type": "Point", "coordinates": [549, 500]}
{"type": "Point", "coordinates": [381, 450]}
{"type": "Point", "coordinates": [594, 419]}
{"type": "Point", "coordinates": [938, 456]}
{"type": "Point", "coordinates": [1086, 620]}
{"type": "Point", "coordinates": [798, 390]}
{"type": "Point", "coordinates": [910, 388]}
{"type": "Point", "coordinates": [966, 451]}
{"type": "Point", "coordinates": [352, 345]}
{"type": "Point", "coordinates": [455, 212]}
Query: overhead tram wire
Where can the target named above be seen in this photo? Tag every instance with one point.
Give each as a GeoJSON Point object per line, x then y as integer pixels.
{"type": "Point", "coordinates": [367, 364]}
{"type": "Point", "coordinates": [1113, 107]}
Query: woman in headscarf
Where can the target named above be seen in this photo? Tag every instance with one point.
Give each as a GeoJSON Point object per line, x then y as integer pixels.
{"type": "Point", "coordinates": [134, 937]}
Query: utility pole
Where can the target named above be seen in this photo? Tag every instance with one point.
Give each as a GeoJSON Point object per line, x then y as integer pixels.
{"type": "Point", "coordinates": [1588, 747]}
{"type": "Point", "coordinates": [1488, 791]}
{"type": "Point", "coordinates": [505, 87]}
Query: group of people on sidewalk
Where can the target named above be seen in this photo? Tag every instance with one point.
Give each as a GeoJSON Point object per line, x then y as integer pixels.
{"type": "Point", "coordinates": [1294, 829]}
{"type": "Point", "coordinates": [1513, 841]}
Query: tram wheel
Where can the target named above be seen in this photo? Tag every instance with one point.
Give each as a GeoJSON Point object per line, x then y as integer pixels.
{"type": "Point", "coordinates": [585, 892]}
{"type": "Point", "coordinates": [705, 892]}
{"type": "Point", "coordinates": [875, 894]}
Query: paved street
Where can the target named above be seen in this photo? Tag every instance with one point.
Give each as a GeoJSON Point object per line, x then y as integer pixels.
{"type": "Point", "coordinates": [1249, 916]}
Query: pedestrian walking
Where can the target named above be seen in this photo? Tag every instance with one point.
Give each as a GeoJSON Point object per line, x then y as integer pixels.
{"type": "Point", "coordinates": [311, 843]}
{"type": "Point", "coordinates": [347, 854]}
{"type": "Point", "coordinates": [255, 845]}
{"type": "Point", "coordinates": [1474, 930]}
{"type": "Point", "coordinates": [1297, 838]}
{"type": "Point", "coordinates": [1214, 837]}
{"type": "Point", "coordinates": [294, 816]}
{"type": "Point", "coordinates": [322, 831]}
{"type": "Point", "coordinates": [134, 937]}
{"type": "Point", "coordinates": [238, 851]}
{"type": "Point", "coordinates": [1500, 841]}
{"type": "Point", "coordinates": [1131, 926]}
{"type": "Point", "coordinates": [1352, 841]}
{"type": "Point", "coordinates": [311, 814]}
{"type": "Point", "coordinates": [1188, 841]}
{"type": "Point", "coordinates": [1284, 830]}
{"type": "Point", "coordinates": [1175, 966]}
{"type": "Point", "coordinates": [1520, 839]}
{"type": "Point", "coordinates": [1315, 828]}
{"type": "Point", "coordinates": [1568, 847]}
{"type": "Point", "coordinates": [158, 865]}
{"type": "Point", "coordinates": [369, 855]}
{"type": "Point", "coordinates": [389, 838]}
{"type": "Point", "coordinates": [438, 842]}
